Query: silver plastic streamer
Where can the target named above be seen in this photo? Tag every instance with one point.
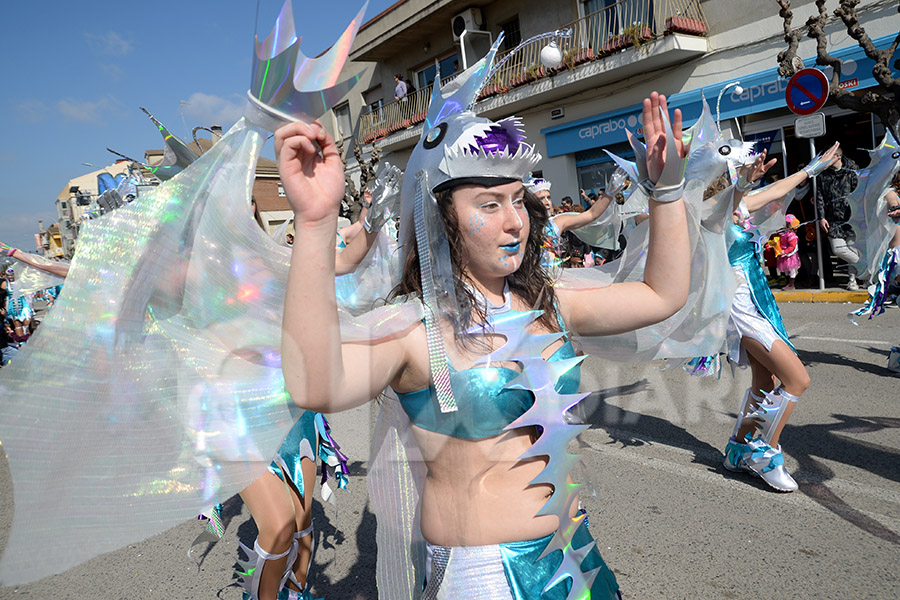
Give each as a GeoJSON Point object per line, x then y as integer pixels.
{"type": "Point", "coordinates": [437, 354]}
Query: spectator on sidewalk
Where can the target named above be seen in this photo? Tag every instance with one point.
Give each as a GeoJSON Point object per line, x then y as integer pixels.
{"type": "Point", "coordinates": [8, 347]}
{"type": "Point", "coordinates": [832, 189]}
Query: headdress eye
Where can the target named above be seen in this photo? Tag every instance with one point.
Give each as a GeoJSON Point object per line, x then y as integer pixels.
{"type": "Point", "coordinates": [724, 150]}
{"type": "Point", "coordinates": [434, 137]}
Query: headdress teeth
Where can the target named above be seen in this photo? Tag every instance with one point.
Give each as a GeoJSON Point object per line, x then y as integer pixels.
{"type": "Point", "coordinates": [289, 85]}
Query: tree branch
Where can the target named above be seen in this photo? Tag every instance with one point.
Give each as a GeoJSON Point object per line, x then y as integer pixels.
{"type": "Point", "coordinates": [792, 37]}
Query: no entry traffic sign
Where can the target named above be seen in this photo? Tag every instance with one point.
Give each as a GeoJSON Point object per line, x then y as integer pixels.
{"type": "Point", "coordinates": [806, 92]}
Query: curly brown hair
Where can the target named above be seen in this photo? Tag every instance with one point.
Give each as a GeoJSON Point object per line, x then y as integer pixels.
{"type": "Point", "coordinates": [530, 282]}
{"type": "Point", "coordinates": [719, 184]}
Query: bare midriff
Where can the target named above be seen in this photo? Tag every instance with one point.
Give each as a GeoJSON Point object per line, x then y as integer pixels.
{"type": "Point", "coordinates": [478, 492]}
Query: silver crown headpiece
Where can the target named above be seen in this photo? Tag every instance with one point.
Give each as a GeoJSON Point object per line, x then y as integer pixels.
{"type": "Point", "coordinates": [537, 185]}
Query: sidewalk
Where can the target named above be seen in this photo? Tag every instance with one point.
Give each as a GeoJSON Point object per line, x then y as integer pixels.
{"type": "Point", "coordinates": [838, 295]}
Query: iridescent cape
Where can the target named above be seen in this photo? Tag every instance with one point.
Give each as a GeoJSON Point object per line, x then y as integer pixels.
{"type": "Point", "coordinates": [700, 326]}
{"type": "Point", "coordinates": [868, 216]}
{"type": "Point", "coordinates": [154, 388]}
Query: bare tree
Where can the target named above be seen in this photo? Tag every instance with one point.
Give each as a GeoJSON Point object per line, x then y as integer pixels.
{"type": "Point", "coordinates": [352, 202]}
{"type": "Point", "coordinates": [884, 99]}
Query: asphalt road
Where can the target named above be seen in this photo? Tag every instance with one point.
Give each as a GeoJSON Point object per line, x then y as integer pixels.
{"type": "Point", "coordinates": [669, 520]}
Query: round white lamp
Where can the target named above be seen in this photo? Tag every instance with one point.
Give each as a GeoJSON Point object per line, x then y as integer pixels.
{"type": "Point", "coordinates": [551, 55]}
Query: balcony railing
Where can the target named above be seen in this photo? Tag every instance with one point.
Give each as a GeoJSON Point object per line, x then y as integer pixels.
{"type": "Point", "coordinates": [623, 25]}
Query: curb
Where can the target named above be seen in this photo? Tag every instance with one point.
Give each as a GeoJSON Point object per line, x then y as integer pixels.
{"type": "Point", "coordinates": [836, 296]}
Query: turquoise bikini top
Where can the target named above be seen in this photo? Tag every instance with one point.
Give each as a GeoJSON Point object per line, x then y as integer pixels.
{"type": "Point", "coordinates": [486, 407]}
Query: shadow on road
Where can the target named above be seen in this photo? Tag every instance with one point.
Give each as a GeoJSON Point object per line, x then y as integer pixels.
{"type": "Point", "coordinates": [359, 584]}
{"type": "Point", "coordinates": [641, 428]}
{"type": "Point", "coordinates": [829, 358]}
{"type": "Point", "coordinates": [827, 442]}
{"type": "Point", "coordinates": [808, 444]}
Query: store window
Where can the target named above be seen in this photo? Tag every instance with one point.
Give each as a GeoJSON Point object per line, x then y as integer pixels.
{"type": "Point", "coordinates": [594, 167]}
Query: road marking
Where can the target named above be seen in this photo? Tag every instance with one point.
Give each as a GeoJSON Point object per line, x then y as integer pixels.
{"type": "Point", "coordinates": [831, 339]}
{"type": "Point", "coordinates": [797, 330]}
{"type": "Point", "coordinates": [837, 484]}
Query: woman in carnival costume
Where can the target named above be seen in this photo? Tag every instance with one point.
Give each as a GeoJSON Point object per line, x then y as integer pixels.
{"type": "Point", "coordinates": [756, 335]}
{"type": "Point", "coordinates": [170, 397]}
{"type": "Point", "coordinates": [569, 221]}
{"type": "Point", "coordinates": [475, 351]}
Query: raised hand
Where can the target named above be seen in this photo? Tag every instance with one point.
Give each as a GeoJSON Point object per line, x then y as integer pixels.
{"type": "Point", "coordinates": [311, 170]}
{"type": "Point", "coordinates": [656, 118]}
{"type": "Point", "coordinates": [823, 161]}
{"type": "Point", "coordinates": [750, 174]}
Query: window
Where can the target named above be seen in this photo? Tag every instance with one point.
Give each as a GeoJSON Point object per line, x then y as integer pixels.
{"type": "Point", "coordinates": [449, 65]}
{"type": "Point", "coordinates": [280, 190]}
{"type": "Point", "coordinates": [342, 120]}
{"type": "Point", "coordinates": [63, 205]}
{"type": "Point", "coordinates": [512, 35]}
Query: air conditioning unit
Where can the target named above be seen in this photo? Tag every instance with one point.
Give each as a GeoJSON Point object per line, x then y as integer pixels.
{"type": "Point", "coordinates": [469, 20]}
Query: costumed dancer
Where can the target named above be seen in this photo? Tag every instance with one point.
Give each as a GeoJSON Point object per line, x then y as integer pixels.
{"type": "Point", "coordinates": [568, 221]}
{"type": "Point", "coordinates": [478, 355]}
{"type": "Point", "coordinates": [757, 336]}
{"type": "Point", "coordinates": [787, 259]}
{"type": "Point", "coordinates": [280, 501]}
{"type": "Point", "coordinates": [874, 202]}
{"type": "Point", "coordinates": [170, 398]}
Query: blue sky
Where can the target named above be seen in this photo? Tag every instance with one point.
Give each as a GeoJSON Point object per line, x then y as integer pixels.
{"type": "Point", "coordinates": [75, 73]}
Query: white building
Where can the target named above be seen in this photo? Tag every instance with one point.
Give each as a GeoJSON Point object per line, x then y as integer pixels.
{"type": "Point", "coordinates": [618, 53]}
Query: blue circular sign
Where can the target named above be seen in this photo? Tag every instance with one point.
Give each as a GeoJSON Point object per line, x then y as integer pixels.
{"type": "Point", "coordinates": [806, 92]}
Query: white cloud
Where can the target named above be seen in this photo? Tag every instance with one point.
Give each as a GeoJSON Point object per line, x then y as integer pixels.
{"type": "Point", "coordinates": [109, 43]}
{"type": "Point", "coordinates": [88, 111]}
{"type": "Point", "coordinates": [114, 72]}
{"type": "Point", "coordinates": [33, 111]}
{"type": "Point", "coordinates": [207, 109]}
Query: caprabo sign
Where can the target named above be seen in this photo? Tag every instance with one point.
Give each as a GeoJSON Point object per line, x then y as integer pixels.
{"type": "Point", "coordinates": [604, 128]}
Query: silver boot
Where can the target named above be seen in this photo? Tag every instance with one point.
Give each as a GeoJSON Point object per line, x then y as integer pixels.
{"type": "Point", "coordinates": [760, 459]}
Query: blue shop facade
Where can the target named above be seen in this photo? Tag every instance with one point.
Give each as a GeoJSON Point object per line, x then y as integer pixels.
{"type": "Point", "coordinates": [758, 113]}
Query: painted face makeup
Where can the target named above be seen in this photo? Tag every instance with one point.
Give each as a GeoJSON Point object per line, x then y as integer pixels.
{"type": "Point", "coordinates": [495, 228]}
{"type": "Point", "coordinates": [544, 197]}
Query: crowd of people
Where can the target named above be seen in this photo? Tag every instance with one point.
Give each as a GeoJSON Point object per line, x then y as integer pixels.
{"type": "Point", "coordinates": [17, 316]}
{"type": "Point", "coordinates": [445, 303]}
